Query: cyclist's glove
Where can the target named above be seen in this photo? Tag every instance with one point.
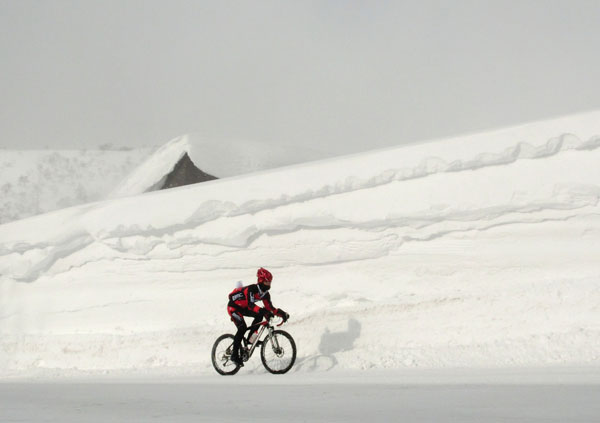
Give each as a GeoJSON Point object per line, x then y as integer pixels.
{"type": "Point", "coordinates": [283, 315]}
{"type": "Point", "coordinates": [266, 313]}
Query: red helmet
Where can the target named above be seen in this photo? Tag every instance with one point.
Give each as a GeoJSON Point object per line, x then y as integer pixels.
{"type": "Point", "coordinates": [264, 275]}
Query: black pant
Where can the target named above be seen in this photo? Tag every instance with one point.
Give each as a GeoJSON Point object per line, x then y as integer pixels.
{"type": "Point", "coordinates": [238, 319]}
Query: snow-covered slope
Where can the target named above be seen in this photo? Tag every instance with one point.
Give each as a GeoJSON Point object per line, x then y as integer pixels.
{"type": "Point", "coordinates": [38, 181]}
{"type": "Point", "coordinates": [218, 157]}
{"type": "Point", "coordinates": [33, 182]}
{"type": "Point", "coordinates": [472, 251]}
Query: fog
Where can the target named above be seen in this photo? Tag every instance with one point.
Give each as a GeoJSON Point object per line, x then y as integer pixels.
{"type": "Point", "coordinates": [342, 76]}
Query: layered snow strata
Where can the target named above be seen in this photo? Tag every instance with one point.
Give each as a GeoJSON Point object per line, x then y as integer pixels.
{"type": "Point", "coordinates": [473, 251]}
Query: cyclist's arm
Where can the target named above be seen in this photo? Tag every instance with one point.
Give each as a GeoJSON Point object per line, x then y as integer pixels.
{"type": "Point", "coordinates": [269, 306]}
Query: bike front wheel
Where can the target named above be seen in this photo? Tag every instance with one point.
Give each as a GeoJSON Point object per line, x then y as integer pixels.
{"type": "Point", "coordinates": [221, 355]}
{"type": "Point", "coordinates": [278, 352]}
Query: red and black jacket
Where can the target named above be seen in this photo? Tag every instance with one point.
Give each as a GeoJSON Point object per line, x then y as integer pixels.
{"type": "Point", "coordinates": [245, 298]}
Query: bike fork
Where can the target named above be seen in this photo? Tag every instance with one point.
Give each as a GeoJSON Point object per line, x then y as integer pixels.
{"type": "Point", "coordinates": [274, 342]}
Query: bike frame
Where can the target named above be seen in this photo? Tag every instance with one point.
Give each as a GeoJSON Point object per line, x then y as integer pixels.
{"type": "Point", "coordinates": [264, 325]}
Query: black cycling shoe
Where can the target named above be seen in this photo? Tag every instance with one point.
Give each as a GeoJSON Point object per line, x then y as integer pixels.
{"type": "Point", "coordinates": [237, 361]}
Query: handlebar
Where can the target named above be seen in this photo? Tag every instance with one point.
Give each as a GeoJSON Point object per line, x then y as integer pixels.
{"type": "Point", "coordinates": [271, 321]}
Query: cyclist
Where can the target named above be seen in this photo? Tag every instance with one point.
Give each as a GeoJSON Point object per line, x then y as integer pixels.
{"type": "Point", "coordinates": [242, 302]}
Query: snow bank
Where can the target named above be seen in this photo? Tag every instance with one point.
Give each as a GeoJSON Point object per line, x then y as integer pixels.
{"type": "Point", "coordinates": [40, 181]}
{"type": "Point", "coordinates": [33, 182]}
{"type": "Point", "coordinates": [218, 157]}
{"type": "Point", "coordinates": [473, 251]}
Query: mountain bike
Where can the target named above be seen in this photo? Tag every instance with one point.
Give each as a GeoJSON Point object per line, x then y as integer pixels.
{"type": "Point", "coordinates": [277, 350]}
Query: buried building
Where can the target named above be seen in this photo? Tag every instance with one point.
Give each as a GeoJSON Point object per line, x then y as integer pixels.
{"type": "Point", "coordinates": [185, 172]}
{"type": "Point", "coordinates": [187, 160]}
{"type": "Point", "coordinates": [169, 167]}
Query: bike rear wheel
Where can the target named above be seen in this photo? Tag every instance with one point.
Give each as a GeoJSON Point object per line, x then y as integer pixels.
{"type": "Point", "coordinates": [221, 355]}
{"type": "Point", "coordinates": [278, 352]}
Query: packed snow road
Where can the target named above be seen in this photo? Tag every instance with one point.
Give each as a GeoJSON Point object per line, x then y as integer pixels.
{"type": "Point", "coordinates": [529, 396]}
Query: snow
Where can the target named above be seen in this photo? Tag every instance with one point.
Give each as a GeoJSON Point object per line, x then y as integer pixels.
{"type": "Point", "coordinates": [39, 181]}
{"type": "Point", "coordinates": [33, 182]}
{"type": "Point", "coordinates": [475, 251]}
{"type": "Point", "coordinates": [222, 158]}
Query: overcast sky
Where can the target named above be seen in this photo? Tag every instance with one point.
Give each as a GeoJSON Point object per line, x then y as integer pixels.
{"type": "Point", "coordinates": [340, 75]}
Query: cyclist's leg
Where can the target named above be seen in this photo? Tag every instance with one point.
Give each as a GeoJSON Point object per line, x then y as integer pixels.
{"type": "Point", "coordinates": [254, 325]}
{"type": "Point", "coordinates": [239, 322]}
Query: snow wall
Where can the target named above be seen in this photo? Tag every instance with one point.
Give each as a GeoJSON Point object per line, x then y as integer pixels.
{"type": "Point", "coordinates": [472, 251]}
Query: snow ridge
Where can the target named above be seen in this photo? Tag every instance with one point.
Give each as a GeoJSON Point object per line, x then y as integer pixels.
{"type": "Point", "coordinates": [153, 170]}
{"type": "Point", "coordinates": [221, 158]}
{"type": "Point", "coordinates": [310, 188]}
{"type": "Point", "coordinates": [474, 251]}
{"type": "Point", "coordinates": [26, 262]}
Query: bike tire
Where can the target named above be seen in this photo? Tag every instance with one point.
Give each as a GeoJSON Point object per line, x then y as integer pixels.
{"type": "Point", "coordinates": [221, 356]}
{"type": "Point", "coordinates": [285, 358]}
